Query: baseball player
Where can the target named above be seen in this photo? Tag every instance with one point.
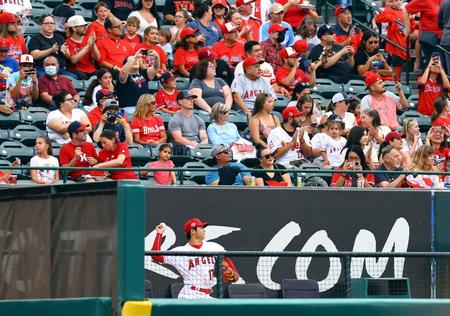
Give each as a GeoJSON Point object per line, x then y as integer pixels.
{"type": "Point", "coordinates": [198, 273]}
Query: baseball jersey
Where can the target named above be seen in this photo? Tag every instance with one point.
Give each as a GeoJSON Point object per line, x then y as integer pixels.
{"type": "Point", "coordinates": [114, 51]}
{"type": "Point", "coordinates": [67, 152]}
{"type": "Point", "coordinates": [250, 89]}
{"type": "Point", "coordinates": [266, 72]}
{"type": "Point", "coordinates": [149, 128]}
{"type": "Point", "coordinates": [168, 100]}
{"type": "Point", "coordinates": [333, 149]}
{"type": "Point", "coordinates": [98, 29]}
{"type": "Point", "coordinates": [188, 58]}
{"type": "Point", "coordinates": [300, 76]}
{"type": "Point", "coordinates": [278, 137]}
{"type": "Point", "coordinates": [86, 63]}
{"type": "Point", "coordinates": [121, 149]}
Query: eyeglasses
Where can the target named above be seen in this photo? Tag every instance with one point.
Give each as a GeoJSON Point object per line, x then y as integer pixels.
{"type": "Point", "coordinates": [70, 100]}
{"type": "Point", "coordinates": [224, 112]}
{"type": "Point", "coordinates": [152, 102]}
{"type": "Point", "coordinates": [48, 23]}
{"type": "Point", "coordinates": [372, 42]}
{"type": "Point", "coordinates": [268, 156]}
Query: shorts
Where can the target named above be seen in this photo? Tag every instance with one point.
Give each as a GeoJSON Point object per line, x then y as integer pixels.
{"type": "Point", "coordinates": [396, 61]}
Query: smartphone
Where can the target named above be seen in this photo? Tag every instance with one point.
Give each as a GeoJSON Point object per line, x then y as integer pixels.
{"type": "Point", "coordinates": [313, 125]}
{"type": "Point", "coordinates": [381, 52]}
{"type": "Point", "coordinates": [436, 57]}
{"type": "Point", "coordinates": [30, 71]}
{"type": "Point", "coordinates": [144, 51]}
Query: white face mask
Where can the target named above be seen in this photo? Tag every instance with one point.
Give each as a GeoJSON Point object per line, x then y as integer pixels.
{"type": "Point", "coordinates": [50, 70]}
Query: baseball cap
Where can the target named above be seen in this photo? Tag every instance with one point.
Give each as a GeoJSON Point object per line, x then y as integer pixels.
{"type": "Point", "coordinates": [276, 8]}
{"type": "Point", "coordinates": [251, 61]}
{"type": "Point", "coordinates": [192, 223]}
{"type": "Point", "coordinates": [340, 9]}
{"type": "Point", "coordinates": [4, 45]}
{"type": "Point", "coordinates": [217, 149]}
{"type": "Point", "coordinates": [228, 28]}
{"type": "Point", "coordinates": [76, 20]}
{"type": "Point", "coordinates": [76, 126]}
{"type": "Point", "coordinates": [300, 46]}
{"type": "Point", "coordinates": [390, 136]}
{"type": "Point", "coordinates": [166, 76]}
{"type": "Point", "coordinates": [223, 3]}
{"type": "Point", "coordinates": [325, 29]}
{"type": "Point", "coordinates": [241, 2]}
{"type": "Point", "coordinates": [7, 17]}
{"type": "Point", "coordinates": [111, 105]}
{"type": "Point", "coordinates": [340, 96]}
{"type": "Point", "coordinates": [206, 53]}
{"type": "Point", "coordinates": [185, 95]}
{"type": "Point", "coordinates": [290, 111]}
{"type": "Point", "coordinates": [372, 78]}
{"type": "Point", "coordinates": [26, 59]}
{"type": "Point", "coordinates": [187, 31]}
{"type": "Point", "coordinates": [288, 52]}
{"type": "Point", "coordinates": [103, 94]}
{"type": "Point", "coordinates": [276, 27]}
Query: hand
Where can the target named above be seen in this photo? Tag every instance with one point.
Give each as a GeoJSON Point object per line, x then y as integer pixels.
{"type": "Point", "coordinates": [22, 74]}
{"type": "Point", "coordinates": [65, 49]}
{"type": "Point", "coordinates": [121, 121]}
{"type": "Point", "coordinates": [54, 48]}
{"type": "Point", "coordinates": [373, 132]}
{"type": "Point", "coordinates": [398, 86]}
{"type": "Point", "coordinates": [161, 228]}
{"type": "Point", "coordinates": [348, 165]}
{"type": "Point", "coordinates": [78, 152]}
{"type": "Point", "coordinates": [151, 142]}
{"type": "Point", "coordinates": [91, 40]}
{"type": "Point", "coordinates": [407, 30]}
{"type": "Point", "coordinates": [92, 161]}
{"type": "Point", "coordinates": [296, 64]}
{"type": "Point", "coordinates": [347, 50]}
{"type": "Point", "coordinates": [201, 38]}
{"type": "Point", "coordinates": [316, 64]}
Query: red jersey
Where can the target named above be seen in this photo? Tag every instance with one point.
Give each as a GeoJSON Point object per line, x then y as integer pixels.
{"type": "Point", "coordinates": [348, 181]}
{"type": "Point", "coordinates": [255, 24]}
{"type": "Point", "coordinates": [150, 128]}
{"type": "Point", "coordinates": [99, 31]}
{"type": "Point", "coordinates": [188, 58]}
{"type": "Point", "coordinates": [114, 51]}
{"type": "Point", "coordinates": [232, 55]}
{"type": "Point", "coordinates": [135, 42]}
{"type": "Point", "coordinates": [429, 11]}
{"type": "Point", "coordinates": [121, 149]}
{"type": "Point", "coordinates": [163, 98]}
{"type": "Point", "coordinates": [294, 15]}
{"type": "Point", "coordinates": [427, 93]}
{"type": "Point", "coordinates": [67, 152]}
{"type": "Point", "coordinates": [283, 72]}
{"type": "Point", "coordinates": [17, 46]}
{"type": "Point", "coordinates": [440, 158]}
{"type": "Point", "coordinates": [86, 63]}
{"type": "Point", "coordinates": [158, 49]}
{"type": "Point", "coordinates": [441, 121]}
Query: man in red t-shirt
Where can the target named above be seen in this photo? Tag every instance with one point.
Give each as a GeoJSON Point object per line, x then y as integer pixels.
{"type": "Point", "coordinates": [78, 153]}
{"type": "Point", "coordinates": [295, 13]}
{"type": "Point", "coordinates": [430, 87]}
{"type": "Point", "coordinates": [249, 22]}
{"type": "Point", "coordinates": [229, 48]}
{"type": "Point", "coordinates": [289, 74]}
{"type": "Point", "coordinates": [166, 98]}
{"type": "Point", "coordinates": [113, 50]}
{"type": "Point", "coordinates": [81, 50]}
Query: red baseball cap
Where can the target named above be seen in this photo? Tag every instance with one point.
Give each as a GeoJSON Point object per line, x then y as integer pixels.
{"type": "Point", "coordinates": [290, 111]}
{"type": "Point", "coordinates": [4, 45]}
{"type": "Point", "coordinates": [7, 17]}
{"type": "Point", "coordinates": [251, 61]}
{"type": "Point", "coordinates": [300, 46]}
{"type": "Point", "coordinates": [223, 3]}
{"type": "Point", "coordinates": [340, 9]}
{"type": "Point", "coordinates": [187, 31]}
{"type": "Point", "coordinates": [228, 28]}
{"type": "Point", "coordinates": [241, 2]}
{"type": "Point", "coordinates": [276, 27]}
{"type": "Point", "coordinates": [288, 52]}
{"type": "Point", "coordinates": [372, 78]}
{"type": "Point", "coordinates": [206, 53]}
{"type": "Point", "coordinates": [192, 223]}
{"type": "Point", "coordinates": [392, 135]}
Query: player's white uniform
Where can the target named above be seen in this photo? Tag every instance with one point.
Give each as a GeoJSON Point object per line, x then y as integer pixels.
{"type": "Point", "coordinates": [197, 272]}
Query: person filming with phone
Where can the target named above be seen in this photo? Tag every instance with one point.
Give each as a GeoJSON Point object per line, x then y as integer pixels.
{"type": "Point", "coordinates": [22, 86]}
{"type": "Point", "coordinates": [355, 160]}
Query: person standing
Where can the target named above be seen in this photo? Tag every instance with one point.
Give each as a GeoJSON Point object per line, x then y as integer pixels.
{"type": "Point", "coordinates": [62, 12]}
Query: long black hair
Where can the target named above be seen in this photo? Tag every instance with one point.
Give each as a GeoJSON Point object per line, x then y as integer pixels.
{"type": "Point", "coordinates": [358, 150]}
{"type": "Point", "coordinates": [153, 11]}
{"type": "Point", "coordinates": [354, 136]}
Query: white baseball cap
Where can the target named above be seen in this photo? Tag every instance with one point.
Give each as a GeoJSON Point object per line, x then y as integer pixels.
{"type": "Point", "coordinates": [338, 97]}
{"type": "Point", "coordinates": [76, 20]}
{"type": "Point", "coordinates": [26, 59]}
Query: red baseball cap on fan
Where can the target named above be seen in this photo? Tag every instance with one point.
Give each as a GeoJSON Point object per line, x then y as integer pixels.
{"type": "Point", "coordinates": [300, 46]}
{"type": "Point", "coordinates": [251, 61]}
{"type": "Point", "coordinates": [276, 27]}
{"type": "Point", "coordinates": [241, 2]}
{"type": "Point", "coordinates": [290, 111]}
{"type": "Point", "coordinates": [192, 223]}
{"type": "Point", "coordinates": [229, 28]}
{"type": "Point", "coordinates": [7, 17]}
{"type": "Point", "coordinates": [288, 52]}
{"type": "Point", "coordinates": [187, 31]}
{"type": "Point", "coordinates": [206, 53]}
{"type": "Point", "coordinates": [223, 3]}
{"type": "Point", "coordinates": [340, 9]}
{"type": "Point", "coordinates": [372, 78]}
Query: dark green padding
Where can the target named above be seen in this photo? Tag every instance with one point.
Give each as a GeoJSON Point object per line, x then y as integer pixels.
{"type": "Point", "coordinates": [290, 307]}
{"type": "Point", "coordinates": [89, 306]}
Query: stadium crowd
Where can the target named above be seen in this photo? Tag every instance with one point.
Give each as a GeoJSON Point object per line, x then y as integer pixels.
{"type": "Point", "coordinates": [237, 60]}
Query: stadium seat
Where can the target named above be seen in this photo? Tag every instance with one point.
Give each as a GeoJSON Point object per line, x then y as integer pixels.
{"type": "Point", "coordinates": [139, 154]}
{"type": "Point", "coordinates": [390, 86]}
{"type": "Point", "coordinates": [40, 9]}
{"type": "Point", "coordinates": [6, 163]}
{"type": "Point", "coordinates": [326, 88]}
{"type": "Point", "coordinates": [423, 120]}
{"type": "Point", "coordinates": [246, 291]}
{"type": "Point", "coordinates": [202, 151]}
{"type": "Point", "coordinates": [318, 98]}
{"type": "Point", "coordinates": [32, 28]}
{"type": "Point", "coordinates": [175, 289]}
{"type": "Point", "coordinates": [4, 135]}
{"type": "Point", "coordinates": [36, 116]}
{"type": "Point", "coordinates": [239, 119]}
{"type": "Point", "coordinates": [182, 83]}
{"type": "Point", "coordinates": [293, 288]}
{"type": "Point", "coordinates": [10, 121]}
{"type": "Point", "coordinates": [310, 175]}
{"type": "Point", "coordinates": [26, 134]}
{"type": "Point", "coordinates": [56, 148]}
{"type": "Point", "coordinates": [154, 86]}
{"type": "Point", "coordinates": [250, 162]}
{"type": "Point", "coordinates": [204, 116]}
{"type": "Point", "coordinates": [281, 102]}
{"type": "Point", "coordinates": [195, 176]}
{"type": "Point", "coordinates": [413, 101]}
{"type": "Point", "coordinates": [277, 114]}
{"type": "Point", "coordinates": [12, 150]}
{"type": "Point", "coordinates": [87, 4]}
{"type": "Point", "coordinates": [51, 4]}
{"type": "Point", "coordinates": [355, 87]}
{"type": "Point", "coordinates": [78, 84]}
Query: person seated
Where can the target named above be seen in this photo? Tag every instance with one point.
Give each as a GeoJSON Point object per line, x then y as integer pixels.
{"type": "Point", "coordinates": [10, 31]}
{"type": "Point", "coordinates": [44, 158]}
{"type": "Point", "coordinates": [114, 154]}
{"type": "Point", "coordinates": [441, 114]}
{"type": "Point", "coordinates": [369, 57]}
{"type": "Point", "coordinates": [392, 161]}
{"type": "Point", "coordinates": [270, 178]}
{"type": "Point", "coordinates": [95, 115]}
{"type": "Point", "coordinates": [153, 49]}
{"type": "Point", "coordinates": [308, 32]}
{"type": "Point", "coordinates": [166, 98]}
{"type": "Point", "coordinates": [346, 32]}
{"type": "Point", "coordinates": [436, 138]}
{"type": "Point", "coordinates": [8, 64]}
{"type": "Point", "coordinates": [131, 35]}
{"type": "Point", "coordinates": [162, 177]}
{"type": "Point", "coordinates": [284, 29]}
{"type": "Point", "coordinates": [147, 14]}
{"type": "Point", "coordinates": [377, 133]}
{"type": "Point", "coordinates": [147, 127]}
{"type": "Point", "coordinates": [221, 131]}
{"type": "Point", "coordinates": [262, 121]}
{"type": "Point", "coordinates": [339, 105]}
{"type": "Point", "coordinates": [411, 136]}
{"type": "Point", "coordinates": [354, 160]}
{"type": "Point", "coordinates": [223, 71]}
{"type": "Point", "coordinates": [246, 87]}
{"type": "Point", "coordinates": [249, 24]}
{"type": "Point", "coordinates": [309, 120]}
{"type": "Point", "coordinates": [22, 86]}
{"type": "Point", "coordinates": [209, 89]}
{"type": "Point", "coordinates": [272, 45]}
{"type": "Point", "coordinates": [210, 33]}
{"type": "Point", "coordinates": [58, 120]}
{"type": "Point", "coordinates": [395, 140]}
{"type": "Point", "coordinates": [113, 119]}
{"type": "Point", "coordinates": [186, 128]}
{"type": "Point", "coordinates": [423, 161]}
{"type": "Point", "coordinates": [52, 84]}
{"type": "Point", "coordinates": [6, 177]}
{"type": "Point", "coordinates": [228, 173]}
{"type": "Point", "coordinates": [182, 17]}
{"type": "Point", "coordinates": [186, 52]}
{"type": "Point", "coordinates": [230, 49]}
{"type": "Point", "coordinates": [104, 81]}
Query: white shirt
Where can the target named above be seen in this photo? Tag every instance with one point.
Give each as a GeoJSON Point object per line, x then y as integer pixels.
{"type": "Point", "coordinates": [349, 119]}
{"type": "Point", "coordinates": [406, 149]}
{"type": "Point", "coordinates": [77, 115]}
{"type": "Point", "coordinates": [144, 24]}
{"type": "Point", "coordinates": [278, 137]}
{"type": "Point", "coordinates": [382, 130]}
{"type": "Point", "coordinates": [333, 149]}
{"type": "Point", "coordinates": [16, 7]}
{"type": "Point", "coordinates": [45, 175]}
{"type": "Point", "coordinates": [266, 72]}
{"type": "Point", "coordinates": [250, 89]}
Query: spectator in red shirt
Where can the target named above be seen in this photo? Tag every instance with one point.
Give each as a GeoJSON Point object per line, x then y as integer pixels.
{"type": "Point", "coordinates": [220, 10]}
{"type": "Point", "coordinates": [114, 155]}
{"type": "Point", "coordinates": [131, 35]}
{"type": "Point", "coordinates": [346, 32]}
{"type": "Point", "coordinates": [186, 52]}
{"type": "Point", "coordinates": [51, 84]}
{"type": "Point", "coordinates": [147, 127]}
{"type": "Point", "coordinates": [97, 27]}
{"type": "Point", "coordinates": [78, 153]}
{"type": "Point", "coordinates": [432, 84]}
{"type": "Point", "coordinates": [244, 33]}
{"type": "Point", "coordinates": [354, 160]}
{"type": "Point", "coordinates": [166, 98]}
{"type": "Point", "coordinates": [289, 74]}
{"type": "Point", "coordinates": [229, 48]}
{"type": "Point", "coordinates": [441, 114]}
{"type": "Point", "coordinates": [81, 51]}
{"type": "Point", "coordinates": [9, 30]}
{"type": "Point", "coordinates": [436, 138]}
{"type": "Point", "coordinates": [151, 43]}
{"type": "Point", "coordinates": [272, 46]}
{"type": "Point", "coordinates": [95, 115]}
{"type": "Point", "coordinates": [104, 80]}
{"type": "Point", "coordinates": [294, 13]}
{"type": "Point", "coordinates": [249, 24]}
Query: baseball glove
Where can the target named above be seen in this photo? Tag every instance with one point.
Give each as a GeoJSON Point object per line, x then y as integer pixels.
{"type": "Point", "coordinates": [229, 275]}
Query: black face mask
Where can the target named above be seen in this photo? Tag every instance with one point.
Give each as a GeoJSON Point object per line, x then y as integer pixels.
{"type": "Point", "coordinates": [281, 37]}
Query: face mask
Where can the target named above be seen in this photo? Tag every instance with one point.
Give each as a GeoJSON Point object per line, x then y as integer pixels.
{"type": "Point", "coordinates": [50, 70]}
{"type": "Point", "coordinates": [281, 37]}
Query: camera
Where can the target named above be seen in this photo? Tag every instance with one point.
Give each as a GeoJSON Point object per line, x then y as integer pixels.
{"type": "Point", "coordinates": [112, 117]}
{"type": "Point", "coordinates": [30, 71]}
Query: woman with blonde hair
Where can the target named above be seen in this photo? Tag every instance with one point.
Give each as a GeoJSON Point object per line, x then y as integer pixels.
{"type": "Point", "coordinates": [147, 127]}
{"type": "Point", "coordinates": [222, 132]}
{"type": "Point", "coordinates": [411, 136]}
{"type": "Point", "coordinates": [423, 161]}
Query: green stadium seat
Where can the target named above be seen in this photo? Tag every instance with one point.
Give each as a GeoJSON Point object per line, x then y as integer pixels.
{"type": "Point", "coordinates": [239, 119]}
{"type": "Point", "coordinates": [51, 4]}
{"type": "Point", "coordinates": [390, 86]}
{"type": "Point", "coordinates": [281, 102]}
{"type": "Point", "coordinates": [56, 148]}
{"type": "Point", "coordinates": [10, 121]}
{"type": "Point", "coordinates": [36, 116]}
{"type": "Point", "coordinates": [204, 116]}
{"type": "Point", "coordinates": [202, 151]}
{"type": "Point", "coordinates": [250, 162]}
{"type": "Point", "coordinates": [11, 150]}
{"type": "Point", "coordinates": [326, 88]}
{"type": "Point", "coordinates": [139, 154]}
{"type": "Point", "coordinates": [4, 135]}
{"type": "Point", "coordinates": [182, 83]}
{"type": "Point", "coordinates": [26, 134]}
{"type": "Point", "coordinates": [87, 4]}
{"type": "Point", "coordinates": [246, 291]}
{"type": "Point", "coordinates": [32, 29]}
{"type": "Point", "coordinates": [355, 87]}
{"type": "Point", "coordinates": [195, 176]}
{"type": "Point", "coordinates": [413, 101]}
{"type": "Point", "coordinates": [154, 86]}
{"type": "Point", "coordinates": [423, 120]}
{"type": "Point", "coordinates": [318, 98]}
{"type": "Point", "coordinates": [40, 9]}
{"type": "Point", "coordinates": [309, 175]}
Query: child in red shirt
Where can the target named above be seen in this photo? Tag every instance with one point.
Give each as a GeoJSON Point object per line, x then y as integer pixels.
{"type": "Point", "coordinates": [163, 177]}
{"type": "Point", "coordinates": [131, 35]}
{"type": "Point", "coordinates": [166, 98]}
{"type": "Point", "coordinates": [98, 26]}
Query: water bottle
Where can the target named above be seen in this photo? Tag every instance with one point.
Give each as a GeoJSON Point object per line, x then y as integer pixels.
{"type": "Point", "coordinates": [299, 181]}
{"type": "Point", "coordinates": [360, 183]}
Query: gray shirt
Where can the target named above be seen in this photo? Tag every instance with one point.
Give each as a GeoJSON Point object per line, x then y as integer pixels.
{"type": "Point", "coordinates": [210, 95]}
{"type": "Point", "coordinates": [189, 126]}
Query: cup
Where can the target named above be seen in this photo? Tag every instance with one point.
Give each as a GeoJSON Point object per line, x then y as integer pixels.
{"type": "Point", "coordinates": [13, 179]}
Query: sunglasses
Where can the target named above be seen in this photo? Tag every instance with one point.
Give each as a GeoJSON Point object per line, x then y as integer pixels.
{"type": "Point", "coordinates": [268, 156]}
{"type": "Point", "coordinates": [224, 112]}
{"type": "Point", "coordinates": [152, 102]}
{"type": "Point", "coordinates": [224, 152]}
{"type": "Point", "coordinates": [372, 42]}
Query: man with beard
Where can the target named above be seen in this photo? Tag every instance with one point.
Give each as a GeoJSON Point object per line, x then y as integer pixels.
{"type": "Point", "coordinates": [391, 162]}
{"type": "Point", "coordinates": [81, 50]}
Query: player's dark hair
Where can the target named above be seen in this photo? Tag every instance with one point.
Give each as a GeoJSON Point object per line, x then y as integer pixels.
{"type": "Point", "coordinates": [109, 134]}
{"type": "Point", "coordinates": [248, 46]}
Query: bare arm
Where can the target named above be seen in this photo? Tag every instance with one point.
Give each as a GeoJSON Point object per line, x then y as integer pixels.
{"type": "Point", "coordinates": [228, 96]}
{"type": "Point", "coordinates": [180, 139]}
{"type": "Point", "coordinates": [199, 101]}
{"type": "Point", "coordinates": [203, 136]}
{"type": "Point", "coordinates": [112, 163]}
